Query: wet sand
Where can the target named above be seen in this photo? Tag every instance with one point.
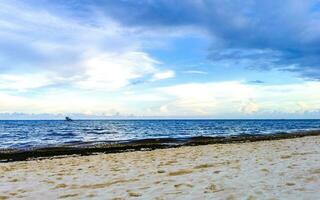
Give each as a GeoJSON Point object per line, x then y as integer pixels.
{"type": "Point", "coordinates": [274, 169]}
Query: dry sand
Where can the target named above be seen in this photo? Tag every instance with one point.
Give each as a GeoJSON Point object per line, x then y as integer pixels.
{"type": "Point", "coordinates": [280, 169]}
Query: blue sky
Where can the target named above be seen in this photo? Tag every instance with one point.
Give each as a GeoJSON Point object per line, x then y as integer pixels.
{"type": "Point", "coordinates": [160, 58]}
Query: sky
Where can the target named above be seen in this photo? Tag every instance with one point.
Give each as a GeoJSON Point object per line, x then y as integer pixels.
{"type": "Point", "coordinates": [159, 59]}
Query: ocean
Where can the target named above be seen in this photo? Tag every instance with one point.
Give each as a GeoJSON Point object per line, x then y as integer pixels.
{"type": "Point", "coordinates": [22, 134]}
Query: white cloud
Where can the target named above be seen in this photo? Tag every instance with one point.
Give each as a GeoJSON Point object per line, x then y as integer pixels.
{"type": "Point", "coordinates": [100, 56]}
{"type": "Point", "coordinates": [114, 71]}
{"type": "Point", "coordinates": [195, 72]}
{"type": "Point", "coordinates": [163, 109]}
{"type": "Point", "coordinates": [213, 99]}
{"type": "Point", "coordinates": [59, 102]}
{"type": "Point", "coordinates": [23, 81]}
{"type": "Point", "coordinates": [250, 108]}
{"type": "Point", "coordinates": [163, 75]}
{"type": "Point", "coordinates": [11, 103]}
{"type": "Point", "coordinates": [220, 98]}
{"type": "Point", "coordinates": [207, 98]}
{"type": "Point", "coordinates": [96, 53]}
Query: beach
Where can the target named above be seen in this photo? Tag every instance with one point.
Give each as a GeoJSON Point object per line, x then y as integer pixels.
{"type": "Point", "coordinates": [273, 169]}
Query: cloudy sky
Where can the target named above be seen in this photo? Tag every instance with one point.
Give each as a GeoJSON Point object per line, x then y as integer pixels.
{"type": "Point", "coordinates": [160, 58]}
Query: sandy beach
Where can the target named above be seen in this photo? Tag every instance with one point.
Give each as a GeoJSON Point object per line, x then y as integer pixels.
{"type": "Point", "coordinates": [279, 169]}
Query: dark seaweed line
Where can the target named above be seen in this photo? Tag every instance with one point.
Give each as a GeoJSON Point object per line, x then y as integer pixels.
{"type": "Point", "coordinates": [141, 145]}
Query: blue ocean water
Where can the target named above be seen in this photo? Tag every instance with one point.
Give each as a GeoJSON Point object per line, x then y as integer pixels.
{"type": "Point", "coordinates": [38, 133]}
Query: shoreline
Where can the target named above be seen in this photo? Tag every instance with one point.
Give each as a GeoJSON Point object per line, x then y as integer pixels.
{"type": "Point", "coordinates": [273, 169]}
{"type": "Point", "coordinates": [83, 149]}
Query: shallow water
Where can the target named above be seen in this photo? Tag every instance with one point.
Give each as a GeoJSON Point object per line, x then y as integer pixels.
{"type": "Point", "coordinates": [39, 133]}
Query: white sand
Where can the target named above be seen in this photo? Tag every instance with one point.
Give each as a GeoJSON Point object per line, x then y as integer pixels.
{"type": "Point", "coordinates": [283, 169]}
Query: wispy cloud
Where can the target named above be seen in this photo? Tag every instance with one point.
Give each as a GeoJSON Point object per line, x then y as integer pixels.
{"type": "Point", "coordinates": [209, 99]}
{"type": "Point", "coordinates": [256, 82]}
{"type": "Point", "coordinates": [114, 71]}
{"type": "Point", "coordinates": [90, 57]}
{"type": "Point", "coordinates": [163, 75]}
{"type": "Point", "coordinates": [219, 98]}
{"type": "Point", "coordinates": [195, 72]}
{"type": "Point", "coordinates": [255, 34]}
{"type": "Point", "coordinates": [24, 82]}
{"type": "Point", "coordinates": [54, 48]}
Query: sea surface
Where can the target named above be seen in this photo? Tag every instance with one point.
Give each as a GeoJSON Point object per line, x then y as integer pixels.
{"type": "Point", "coordinates": [42, 133]}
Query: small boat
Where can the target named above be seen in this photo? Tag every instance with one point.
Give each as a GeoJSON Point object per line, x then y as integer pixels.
{"type": "Point", "coordinates": [68, 119]}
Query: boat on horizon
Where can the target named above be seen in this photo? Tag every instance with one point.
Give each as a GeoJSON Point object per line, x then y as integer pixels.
{"type": "Point", "coordinates": [68, 119]}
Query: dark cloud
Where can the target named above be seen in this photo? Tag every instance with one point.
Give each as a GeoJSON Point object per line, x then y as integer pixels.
{"type": "Point", "coordinates": [277, 34]}
{"type": "Point", "coordinates": [261, 35]}
{"type": "Point", "coordinates": [256, 82]}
